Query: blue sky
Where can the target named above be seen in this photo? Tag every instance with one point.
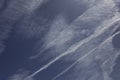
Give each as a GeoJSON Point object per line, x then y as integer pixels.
{"type": "Point", "coordinates": [59, 40]}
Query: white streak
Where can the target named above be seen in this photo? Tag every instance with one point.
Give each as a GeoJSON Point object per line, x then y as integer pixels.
{"type": "Point", "coordinates": [79, 44]}
{"type": "Point", "coordinates": [86, 55]}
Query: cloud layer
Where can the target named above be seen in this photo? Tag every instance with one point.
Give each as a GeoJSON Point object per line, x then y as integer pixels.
{"type": "Point", "coordinates": [86, 41]}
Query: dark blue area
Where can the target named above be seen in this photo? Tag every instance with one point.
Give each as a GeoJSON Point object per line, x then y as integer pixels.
{"type": "Point", "coordinates": [116, 41]}
{"type": "Point", "coordinates": [1, 78]}
{"type": "Point", "coordinates": [116, 70]}
{"type": "Point", "coordinates": [116, 44]}
{"type": "Point", "coordinates": [16, 55]}
{"type": "Point", "coordinates": [3, 5]}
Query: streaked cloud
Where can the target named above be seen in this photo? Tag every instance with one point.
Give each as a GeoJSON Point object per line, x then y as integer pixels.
{"type": "Point", "coordinates": [20, 76]}
{"type": "Point", "coordinates": [96, 53]}
{"type": "Point", "coordinates": [96, 13]}
{"type": "Point", "coordinates": [12, 14]}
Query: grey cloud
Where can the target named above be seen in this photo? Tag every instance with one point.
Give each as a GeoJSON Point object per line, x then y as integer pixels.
{"type": "Point", "coordinates": [13, 11]}
{"type": "Point", "coordinates": [84, 25]}
{"type": "Point", "coordinates": [96, 13]}
{"type": "Point", "coordinates": [87, 39]}
{"type": "Point", "coordinates": [20, 76]}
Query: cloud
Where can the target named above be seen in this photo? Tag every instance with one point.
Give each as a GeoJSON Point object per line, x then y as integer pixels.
{"type": "Point", "coordinates": [99, 30]}
{"type": "Point", "coordinates": [60, 32]}
{"type": "Point", "coordinates": [35, 4]}
{"type": "Point", "coordinates": [12, 14]}
{"type": "Point", "coordinates": [93, 52]}
{"type": "Point", "coordinates": [22, 75]}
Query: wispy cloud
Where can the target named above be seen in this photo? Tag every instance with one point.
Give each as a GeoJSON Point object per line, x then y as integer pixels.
{"type": "Point", "coordinates": [20, 76]}
{"type": "Point", "coordinates": [60, 32]}
{"type": "Point", "coordinates": [99, 30]}
{"type": "Point", "coordinates": [12, 14]}
{"type": "Point", "coordinates": [92, 16]}
{"type": "Point", "coordinates": [92, 52]}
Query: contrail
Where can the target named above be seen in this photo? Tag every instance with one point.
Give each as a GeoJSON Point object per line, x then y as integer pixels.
{"type": "Point", "coordinates": [81, 16]}
{"type": "Point", "coordinates": [109, 38]}
{"type": "Point", "coordinates": [46, 47]}
{"type": "Point", "coordinates": [105, 4]}
{"type": "Point", "coordinates": [79, 44]}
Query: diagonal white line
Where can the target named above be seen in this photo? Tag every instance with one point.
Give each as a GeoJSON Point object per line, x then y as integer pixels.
{"type": "Point", "coordinates": [79, 44]}
{"type": "Point", "coordinates": [109, 38]}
